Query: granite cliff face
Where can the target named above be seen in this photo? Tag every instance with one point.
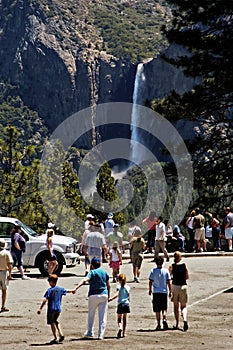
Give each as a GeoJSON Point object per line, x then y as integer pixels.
{"type": "Point", "coordinates": [59, 71]}
{"type": "Point", "coordinates": [54, 77]}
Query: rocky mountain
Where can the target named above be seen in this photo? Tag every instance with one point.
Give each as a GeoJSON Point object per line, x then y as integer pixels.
{"type": "Point", "coordinates": [64, 56]}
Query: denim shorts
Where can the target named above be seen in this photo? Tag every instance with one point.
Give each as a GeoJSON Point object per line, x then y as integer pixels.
{"type": "Point", "coordinates": [17, 256]}
{"type": "Point", "coordinates": [229, 232]}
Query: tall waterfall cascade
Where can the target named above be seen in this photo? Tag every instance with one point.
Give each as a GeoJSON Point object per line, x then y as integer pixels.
{"type": "Point", "coordinates": [138, 99]}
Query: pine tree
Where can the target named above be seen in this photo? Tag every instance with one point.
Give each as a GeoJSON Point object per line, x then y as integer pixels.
{"type": "Point", "coordinates": [105, 185]}
{"type": "Point", "coordinates": [19, 195]}
{"type": "Point", "coordinates": [205, 29]}
{"type": "Point", "coordinates": [60, 192]}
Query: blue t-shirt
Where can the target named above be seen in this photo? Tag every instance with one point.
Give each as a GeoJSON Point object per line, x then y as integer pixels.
{"type": "Point", "coordinates": [123, 297]}
{"type": "Point", "coordinates": [109, 223]}
{"type": "Point", "coordinates": [160, 277]}
{"type": "Point", "coordinates": [54, 296]}
{"type": "Point", "coordinates": [98, 279]}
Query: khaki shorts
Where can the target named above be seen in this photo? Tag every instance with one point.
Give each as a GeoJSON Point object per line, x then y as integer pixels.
{"type": "Point", "coordinates": [137, 259]}
{"type": "Point", "coordinates": [180, 293]}
{"type": "Point", "coordinates": [199, 234]}
{"type": "Point", "coordinates": [3, 280]}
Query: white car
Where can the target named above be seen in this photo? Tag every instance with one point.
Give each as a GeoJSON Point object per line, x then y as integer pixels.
{"type": "Point", "coordinates": [37, 254]}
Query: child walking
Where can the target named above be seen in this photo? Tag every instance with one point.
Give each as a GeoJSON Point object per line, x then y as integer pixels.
{"type": "Point", "coordinates": [123, 306]}
{"type": "Point", "coordinates": [52, 260]}
{"type": "Point", "coordinates": [160, 279]}
{"type": "Point", "coordinates": [53, 296]}
{"type": "Point", "coordinates": [115, 260]}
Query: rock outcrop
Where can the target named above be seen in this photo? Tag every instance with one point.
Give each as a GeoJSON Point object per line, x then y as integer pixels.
{"type": "Point", "coordinates": [59, 73]}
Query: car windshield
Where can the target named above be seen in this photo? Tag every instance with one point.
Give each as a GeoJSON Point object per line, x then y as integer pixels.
{"type": "Point", "coordinates": [27, 229]}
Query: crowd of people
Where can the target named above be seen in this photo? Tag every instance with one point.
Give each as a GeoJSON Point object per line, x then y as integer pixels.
{"type": "Point", "coordinates": [105, 241]}
{"type": "Point", "coordinates": [199, 229]}
{"type": "Point", "coordinates": [164, 283]}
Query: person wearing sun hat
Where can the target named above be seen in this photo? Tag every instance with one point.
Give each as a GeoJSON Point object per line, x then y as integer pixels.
{"type": "Point", "coordinates": [109, 224]}
{"type": "Point", "coordinates": [49, 227]}
{"type": "Point", "coordinates": [89, 219]}
{"type": "Point", "coordinates": [6, 263]}
{"type": "Point", "coordinates": [98, 297]}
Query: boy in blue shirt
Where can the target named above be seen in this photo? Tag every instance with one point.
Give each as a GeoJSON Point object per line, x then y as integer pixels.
{"type": "Point", "coordinates": [53, 296]}
{"type": "Point", "coordinates": [160, 279]}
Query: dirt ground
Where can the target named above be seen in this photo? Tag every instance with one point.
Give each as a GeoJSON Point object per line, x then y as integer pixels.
{"type": "Point", "coordinates": [209, 311]}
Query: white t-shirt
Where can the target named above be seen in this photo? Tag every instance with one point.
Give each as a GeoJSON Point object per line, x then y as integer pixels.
{"type": "Point", "coordinates": [160, 229]}
{"type": "Point", "coordinates": [208, 232]}
{"type": "Point", "coordinates": [190, 223]}
{"type": "Point", "coordinates": [86, 225]}
{"type": "Point", "coordinates": [115, 256]}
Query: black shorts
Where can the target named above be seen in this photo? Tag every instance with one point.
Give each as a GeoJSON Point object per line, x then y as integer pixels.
{"type": "Point", "coordinates": [52, 258]}
{"type": "Point", "coordinates": [159, 302]}
{"type": "Point", "coordinates": [52, 317]}
{"type": "Point", "coordinates": [123, 309]}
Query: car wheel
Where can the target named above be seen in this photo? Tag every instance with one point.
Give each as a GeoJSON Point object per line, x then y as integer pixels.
{"type": "Point", "coordinates": [43, 263]}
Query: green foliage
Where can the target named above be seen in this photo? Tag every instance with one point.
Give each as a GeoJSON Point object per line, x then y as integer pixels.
{"type": "Point", "coordinates": [130, 30]}
{"type": "Point", "coordinates": [59, 191]}
{"type": "Point", "coordinates": [14, 112]}
{"type": "Point", "coordinates": [106, 198]}
{"type": "Point", "coordinates": [105, 184]}
{"type": "Point", "coordinates": [126, 29]}
{"type": "Point", "coordinates": [206, 30]}
{"type": "Point", "coordinates": [18, 186]}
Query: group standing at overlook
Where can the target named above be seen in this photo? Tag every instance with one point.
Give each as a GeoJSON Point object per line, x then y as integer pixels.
{"type": "Point", "coordinates": [163, 282]}
{"type": "Point", "coordinates": [200, 229]}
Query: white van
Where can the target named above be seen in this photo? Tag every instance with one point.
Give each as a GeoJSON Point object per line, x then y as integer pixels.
{"type": "Point", "coordinates": [37, 254]}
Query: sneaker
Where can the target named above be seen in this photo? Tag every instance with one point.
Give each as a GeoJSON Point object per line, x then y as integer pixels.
{"type": "Point", "coordinates": [25, 277]}
{"type": "Point", "coordinates": [87, 335]}
{"type": "Point", "coordinates": [54, 341]}
{"type": "Point", "coordinates": [137, 280]}
{"type": "Point", "coordinates": [199, 250]}
{"type": "Point", "coordinates": [186, 327]}
{"type": "Point", "coordinates": [61, 338]}
{"type": "Point", "coordinates": [100, 338]}
{"type": "Point", "coordinates": [119, 333]}
{"type": "Point", "coordinates": [165, 325]}
{"type": "Point", "coordinates": [158, 328]}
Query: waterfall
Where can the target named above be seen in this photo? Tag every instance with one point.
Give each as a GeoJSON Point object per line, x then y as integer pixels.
{"type": "Point", "coordinates": [138, 99]}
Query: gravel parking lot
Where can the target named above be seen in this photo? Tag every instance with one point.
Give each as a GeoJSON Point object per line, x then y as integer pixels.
{"type": "Point", "coordinates": [209, 311]}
